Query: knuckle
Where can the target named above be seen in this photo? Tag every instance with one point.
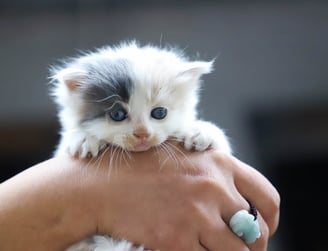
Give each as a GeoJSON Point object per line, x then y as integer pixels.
{"type": "Point", "coordinates": [276, 202]}
{"type": "Point", "coordinates": [181, 244]}
{"type": "Point", "coordinates": [165, 236]}
{"type": "Point", "coordinates": [273, 213]}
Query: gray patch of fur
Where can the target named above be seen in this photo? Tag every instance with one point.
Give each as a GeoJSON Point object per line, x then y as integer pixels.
{"type": "Point", "coordinates": [108, 85]}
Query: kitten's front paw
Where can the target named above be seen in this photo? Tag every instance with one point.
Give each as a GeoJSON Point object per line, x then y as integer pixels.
{"type": "Point", "coordinates": [203, 135]}
{"type": "Point", "coordinates": [198, 140]}
{"type": "Point", "coordinates": [83, 146]}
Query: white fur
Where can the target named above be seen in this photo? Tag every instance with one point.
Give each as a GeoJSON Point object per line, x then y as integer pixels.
{"type": "Point", "coordinates": [104, 243]}
{"type": "Point", "coordinates": [162, 77]}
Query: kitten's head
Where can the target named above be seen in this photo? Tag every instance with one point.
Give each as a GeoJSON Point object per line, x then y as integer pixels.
{"type": "Point", "coordinates": [130, 96]}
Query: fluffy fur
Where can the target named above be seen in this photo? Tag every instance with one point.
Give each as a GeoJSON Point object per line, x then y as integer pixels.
{"type": "Point", "coordinates": [132, 97]}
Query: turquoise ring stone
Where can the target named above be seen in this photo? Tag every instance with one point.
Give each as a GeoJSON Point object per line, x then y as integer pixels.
{"type": "Point", "coordinates": [246, 226]}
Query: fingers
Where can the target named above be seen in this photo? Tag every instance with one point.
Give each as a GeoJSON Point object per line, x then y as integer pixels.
{"type": "Point", "coordinates": [247, 184]}
{"type": "Point", "coordinates": [256, 188]}
{"type": "Point", "coordinates": [217, 235]}
{"type": "Point", "coordinates": [253, 186]}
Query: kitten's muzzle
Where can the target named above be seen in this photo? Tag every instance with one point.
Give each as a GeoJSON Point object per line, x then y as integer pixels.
{"type": "Point", "coordinates": [142, 136]}
{"type": "Point", "coordinates": [141, 133]}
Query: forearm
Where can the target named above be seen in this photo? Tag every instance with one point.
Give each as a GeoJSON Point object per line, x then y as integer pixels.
{"type": "Point", "coordinates": [40, 213]}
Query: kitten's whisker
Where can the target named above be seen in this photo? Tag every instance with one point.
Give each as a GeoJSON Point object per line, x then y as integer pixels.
{"type": "Point", "coordinates": [122, 156]}
{"type": "Point", "coordinates": [173, 154]}
{"type": "Point", "coordinates": [178, 150]}
{"type": "Point", "coordinates": [111, 164]}
{"type": "Point", "coordinates": [90, 162]}
{"type": "Point", "coordinates": [128, 155]}
{"type": "Point", "coordinates": [100, 158]}
{"type": "Point", "coordinates": [170, 154]}
{"type": "Point", "coordinates": [159, 149]}
{"type": "Point", "coordinates": [116, 158]}
{"type": "Point", "coordinates": [96, 162]}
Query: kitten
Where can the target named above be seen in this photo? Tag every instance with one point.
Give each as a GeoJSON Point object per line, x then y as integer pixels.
{"type": "Point", "coordinates": [132, 97]}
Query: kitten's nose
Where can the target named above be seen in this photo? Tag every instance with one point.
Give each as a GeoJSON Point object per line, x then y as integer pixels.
{"type": "Point", "coordinates": [141, 134]}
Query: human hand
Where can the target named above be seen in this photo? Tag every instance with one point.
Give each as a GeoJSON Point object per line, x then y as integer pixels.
{"type": "Point", "coordinates": [183, 204]}
{"type": "Point", "coordinates": [186, 204]}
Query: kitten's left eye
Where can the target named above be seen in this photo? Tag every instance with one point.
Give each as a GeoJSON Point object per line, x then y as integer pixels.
{"type": "Point", "coordinates": [159, 113]}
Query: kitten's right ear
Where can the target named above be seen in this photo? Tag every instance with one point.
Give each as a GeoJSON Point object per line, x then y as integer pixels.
{"type": "Point", "coordinates": [194, 70]}
{"type": "Point", "coordinates": [72, 77]}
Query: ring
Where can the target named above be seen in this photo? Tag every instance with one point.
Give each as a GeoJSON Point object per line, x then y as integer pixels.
{"type": "Point", "coordinates": [245, 224]}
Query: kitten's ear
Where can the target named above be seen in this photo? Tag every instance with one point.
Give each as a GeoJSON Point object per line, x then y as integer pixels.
{"type": "Point", "coordinates": [194, 70]}
{"type": "Point", "coordinates": [72, 77]}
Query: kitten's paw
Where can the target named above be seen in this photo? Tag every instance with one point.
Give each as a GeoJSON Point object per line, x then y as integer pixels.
{"type": "Point", "coordinates": [83, 146]}
{"type": "Point", "coordinates": [204, 135]}
{"type": "Point", "coordinates": [197, 140]}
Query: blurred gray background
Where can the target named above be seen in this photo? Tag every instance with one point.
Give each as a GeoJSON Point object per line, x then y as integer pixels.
{"type": "Point", "coordinates": [269, 90]}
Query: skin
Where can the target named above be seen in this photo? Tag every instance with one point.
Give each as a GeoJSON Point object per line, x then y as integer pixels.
{"type": "Point", "coordinates": [184, 203]}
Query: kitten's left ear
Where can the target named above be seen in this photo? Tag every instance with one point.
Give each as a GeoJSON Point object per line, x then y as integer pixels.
{"type": "Point", "coordinates": [194, 70]}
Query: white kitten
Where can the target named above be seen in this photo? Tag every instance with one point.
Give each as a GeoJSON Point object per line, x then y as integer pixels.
{"type": "Point", "coordinates": [132, 97]}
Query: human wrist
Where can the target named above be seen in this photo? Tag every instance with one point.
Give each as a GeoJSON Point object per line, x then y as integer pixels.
{"type": "Point", "coordinates": [41, 206]}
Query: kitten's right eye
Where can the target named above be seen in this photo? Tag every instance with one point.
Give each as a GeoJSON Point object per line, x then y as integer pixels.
{"type": "Point", "coordinates": [118, 115]}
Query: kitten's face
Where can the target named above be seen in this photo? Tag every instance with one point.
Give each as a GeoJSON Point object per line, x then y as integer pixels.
{"type": "Point", "coordinates": [135, 124]}
{"type": "Point", "coordinates": [132, 97]}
